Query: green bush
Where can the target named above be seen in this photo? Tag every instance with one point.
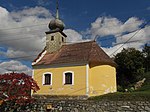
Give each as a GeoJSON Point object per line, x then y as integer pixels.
{"type": "Point", "coordinates": [120, 88]}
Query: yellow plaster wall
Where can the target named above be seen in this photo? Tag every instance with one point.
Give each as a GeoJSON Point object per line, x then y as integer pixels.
{"type": "Point", "coordinates": [57, 87]}
{"type": "Point", "coordinates": [102, 80]}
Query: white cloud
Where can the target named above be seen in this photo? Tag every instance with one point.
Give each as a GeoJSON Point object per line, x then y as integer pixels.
{"type": "Point", "coordinates": [112, 26]}
{"type": "Point", "coordinates": [34, 12]}
{"type": "Point", "coordinates": [11, 53]}
{"type": "Point", "coordinates": [135, 39]}
{"type": "Point", "coordinates": [131, 24]}
{"type": "Point", "coordinates": [2, 53]}
{"type": "Point", "coordinates": [112, 51]}
{"type": "Point", "coordinates": [16, 66]}
{"type": "Point", "coordinates": [148, 8]}
{"type": "Point", "coordinates": [72, 35]}
{"type": "Point", "coordinates": [44, 2]}
{"type": "Point", "coordinates": [122, 31]}
{"type": "Point", "coordinates": [25, 42]}
{"type": "Point", "coordinates": [28, 40]}
{"type": "Point", "coordinates": [137, 36]}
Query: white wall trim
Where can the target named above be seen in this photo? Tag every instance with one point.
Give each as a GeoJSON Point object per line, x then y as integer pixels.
{"type": "Point", "coordinates": [87, 79]}
{"type": "Point", "coordinates": [33, 73]}
{"type": "Point", "coordinates": [43, 78]}
{"type": "Point", "coordinates": [37, 60]}
{"type": "Point", "coordinates": [33, 78]}
{"type": "Point", "coordinates": [72, 77]}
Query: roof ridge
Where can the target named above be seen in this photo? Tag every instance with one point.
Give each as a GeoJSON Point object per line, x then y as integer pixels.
{"type": "Point", "coordinates": [90, 52]}
{"type": "Point", "coordinates": [79, 42]}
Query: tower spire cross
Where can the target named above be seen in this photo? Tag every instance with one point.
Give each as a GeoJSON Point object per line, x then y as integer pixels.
{"type": "Point", "coordinates": [57, 10]}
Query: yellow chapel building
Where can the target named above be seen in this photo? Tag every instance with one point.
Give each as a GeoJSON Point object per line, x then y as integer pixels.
{"type": "Point", "coordinates": [79, 69]}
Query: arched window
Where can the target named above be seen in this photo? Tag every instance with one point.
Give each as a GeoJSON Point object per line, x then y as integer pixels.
{"type": "Point", "coordinates": [68, 78]}
{"type": "Point", "coordinates": [47, 79]}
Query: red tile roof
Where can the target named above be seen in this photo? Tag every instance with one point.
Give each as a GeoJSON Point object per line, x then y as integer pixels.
{"type": "Point", "coordinates": [85, 52]}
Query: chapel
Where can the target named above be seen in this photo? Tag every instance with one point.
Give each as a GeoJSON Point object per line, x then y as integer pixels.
{"type": "Point", "coordinates": [77, 69]}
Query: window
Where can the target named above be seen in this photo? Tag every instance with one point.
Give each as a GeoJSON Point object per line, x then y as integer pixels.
{"type": "Point", "coordinates": [52, 38]}
{"type": "Point", "coordinates": [62, 39]}
{"type": "Point", "coordinates": [68, 78]}
{"type": "Point", "coordinates": [47, 79]}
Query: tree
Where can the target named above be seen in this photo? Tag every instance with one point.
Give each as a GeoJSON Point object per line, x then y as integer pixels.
{"type": "Point", "coordinates": [17, 87]}
{"type": "Point", "coordinates": [130, 67]}
{"type": "Point", "coordinates": [146, 52]}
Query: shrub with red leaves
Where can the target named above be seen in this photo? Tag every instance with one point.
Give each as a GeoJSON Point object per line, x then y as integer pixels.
{"type": "Point", "coordinates": [17, 87]}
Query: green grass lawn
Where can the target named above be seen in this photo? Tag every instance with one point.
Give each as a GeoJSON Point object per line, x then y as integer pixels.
{"type": "Point", "coordinates": [125, 96]}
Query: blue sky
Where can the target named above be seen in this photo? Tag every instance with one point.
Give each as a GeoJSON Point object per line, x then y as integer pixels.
{"type": "Point", "coordinates": [111, 22]}
{"type": "Point", "coordinates": [78, 14]}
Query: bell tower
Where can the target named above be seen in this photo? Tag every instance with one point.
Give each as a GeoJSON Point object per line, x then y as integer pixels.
{"type": "Point", "coordinates": [55, 37]}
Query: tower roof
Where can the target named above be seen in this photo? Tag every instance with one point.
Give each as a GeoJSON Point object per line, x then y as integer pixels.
{"type": "Point", "coordinates": [56, 23]}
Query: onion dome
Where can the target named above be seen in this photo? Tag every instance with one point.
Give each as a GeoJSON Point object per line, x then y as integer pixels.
{"type": "Point", "coordinates": [56, 23]}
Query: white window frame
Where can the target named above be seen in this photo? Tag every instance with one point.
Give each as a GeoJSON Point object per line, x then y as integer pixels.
{"type": "Point", "coordinates": [43, 78]}
{"type": "Point", "coordinates": [64, 77]}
